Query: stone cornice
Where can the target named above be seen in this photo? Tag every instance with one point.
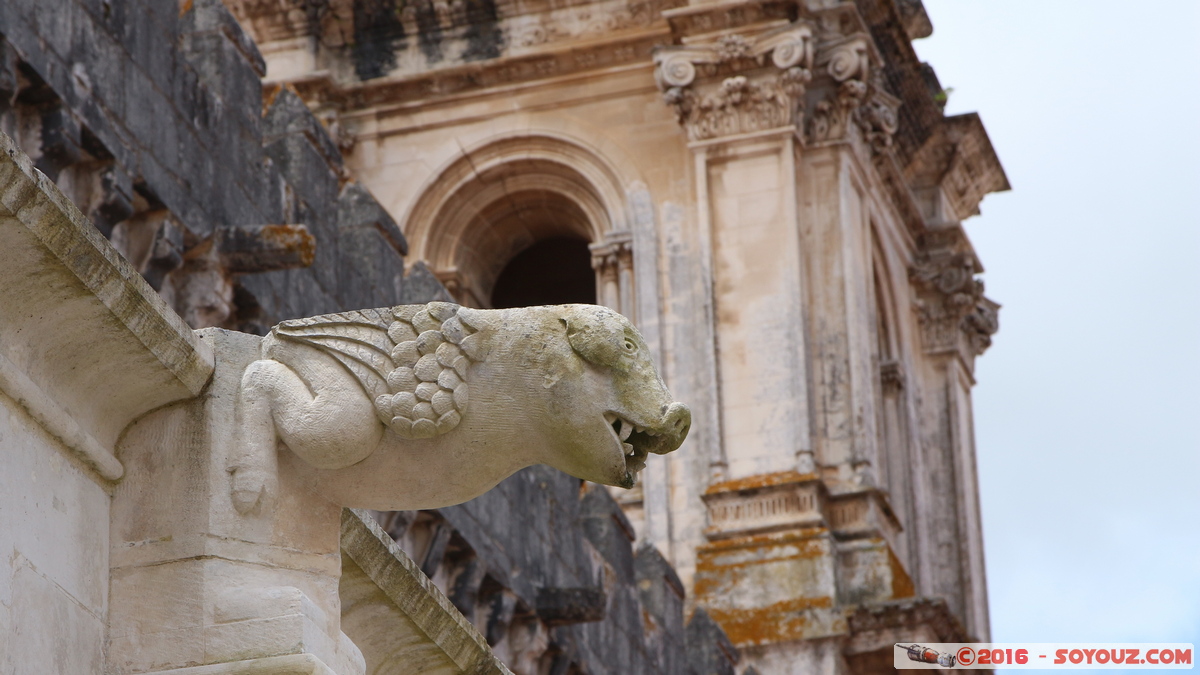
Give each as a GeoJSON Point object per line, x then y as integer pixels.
{"type": "Point", "coordinates": [633, 49]}
{"type": "Point", "coordinates": [906, 614]}
{"type": "Point", "coordinates": [959, 158]}
{"type": "Point", "coordinates": [694, 21]}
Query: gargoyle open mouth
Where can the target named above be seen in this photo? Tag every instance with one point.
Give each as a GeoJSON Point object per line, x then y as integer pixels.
{"type": "Point", "coordinates": [637, 442]}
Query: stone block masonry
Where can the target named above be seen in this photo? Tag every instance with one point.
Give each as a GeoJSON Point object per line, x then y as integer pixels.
{"type": "Point", "coordinates": [151, 117]}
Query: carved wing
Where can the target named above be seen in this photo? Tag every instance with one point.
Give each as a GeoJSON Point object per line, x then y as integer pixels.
{"type": "Point", "coordinates": [358, 340]}
{"type": "Point", "coordinates": [408, 359]}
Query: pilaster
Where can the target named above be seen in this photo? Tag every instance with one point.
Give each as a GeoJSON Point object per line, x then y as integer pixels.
{"type": "Point", "coordinates": [956, 322]}
{"type": "Point", "coordinates": [785, 117]}
{"type": "Point", "coordinates": [738, 94]}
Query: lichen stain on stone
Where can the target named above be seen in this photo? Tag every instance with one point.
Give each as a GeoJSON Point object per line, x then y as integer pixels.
{"type": "Point", "coordinates": [378, 34]}
{"type": "Point", "coordinates": [762, 541]}
{"type": "Point", "coordinates": [270, 93]}
{"type": "Point", "coordinates": [902, 583]}
{"type": "Point", "coordinates": [720, 571]}
{"type": "Point", "coordinates": [778, 622]}
{"type": "Point", "coordinates": [292, 238]}
{"type": "Point", "coordinates": [760, 481]}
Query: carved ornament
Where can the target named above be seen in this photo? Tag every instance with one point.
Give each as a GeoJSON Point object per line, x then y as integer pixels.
{"type": "Point", "coordinates": [952, 309]}
{"type": "Point", "coordinates": [859, 98]}
{"type": "Point", "coordinates": [739, 103]}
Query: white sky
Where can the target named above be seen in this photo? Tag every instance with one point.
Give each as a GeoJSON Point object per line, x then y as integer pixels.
{"type": "Point", "coordinates": [1087, 408]}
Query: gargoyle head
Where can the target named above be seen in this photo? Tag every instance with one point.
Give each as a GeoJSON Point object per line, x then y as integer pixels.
{"type": "Point", "coordinates": [606, 406]}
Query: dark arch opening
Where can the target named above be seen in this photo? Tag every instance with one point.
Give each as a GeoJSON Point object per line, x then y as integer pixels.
{"type": "Point", "coordinates": [554, 271]}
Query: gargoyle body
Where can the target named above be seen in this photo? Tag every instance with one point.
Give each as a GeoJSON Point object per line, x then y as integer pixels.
{"type": "Point", "coordinates": [422, 406]}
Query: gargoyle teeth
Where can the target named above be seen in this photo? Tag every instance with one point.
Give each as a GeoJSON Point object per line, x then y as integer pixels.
{"type": "Point", "coordinates": [626, 429]}
{"type": "Point", "coordinates": [610, 418]}
{"type": "Point", "coordinates": [628, 447]}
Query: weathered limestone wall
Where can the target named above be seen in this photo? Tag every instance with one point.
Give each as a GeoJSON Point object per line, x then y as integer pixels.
{"type": "Point", "coordinates": [151, 117]}
{"type": "Point", "coordinates": [85, 348]}
{"type": "Point", "coordinates": [54, 534]}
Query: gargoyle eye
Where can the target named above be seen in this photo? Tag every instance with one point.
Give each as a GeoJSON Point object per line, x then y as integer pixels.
{"type": "Point", "coordinates": [630, 346]}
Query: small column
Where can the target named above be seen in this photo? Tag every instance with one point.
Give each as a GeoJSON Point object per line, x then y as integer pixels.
{"type": "Point", "coordinates": [613, 261]}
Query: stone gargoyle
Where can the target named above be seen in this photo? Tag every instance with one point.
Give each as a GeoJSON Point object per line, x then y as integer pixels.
{"type": "Point", "coordinates": [422, 406]}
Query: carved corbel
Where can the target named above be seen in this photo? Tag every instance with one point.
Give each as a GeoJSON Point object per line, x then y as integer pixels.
{"type": "Point", "coordinates": [877, 119]}
{"type": "Point", "coordinates": [739, 103]}
{"type": "Point", "coordinates": [951, 308]}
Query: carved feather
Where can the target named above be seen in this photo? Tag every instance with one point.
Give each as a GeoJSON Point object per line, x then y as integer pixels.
{"type": "Point", "coordinates": [406, 358]}
{"type": "Point", "coordinates": [358, 340]}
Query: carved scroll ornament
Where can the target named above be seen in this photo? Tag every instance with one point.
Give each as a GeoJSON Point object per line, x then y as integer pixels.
{"type": "Point", "coordinates": [858, 99]}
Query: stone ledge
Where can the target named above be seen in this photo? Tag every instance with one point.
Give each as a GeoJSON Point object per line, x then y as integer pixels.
{"type": "Point", "coordinates": [446, 643]}
{"type": "Point", "coordinates": [68, 297]}
{"type": "Point", "coordinates": [290, 664]}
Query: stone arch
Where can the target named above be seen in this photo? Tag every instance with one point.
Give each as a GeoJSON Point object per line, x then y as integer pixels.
{"type": "Point", "coordinates": [495, 201]}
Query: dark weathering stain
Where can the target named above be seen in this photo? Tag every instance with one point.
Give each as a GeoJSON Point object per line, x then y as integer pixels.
{"type": "Point", "coordinates": [483, 35]}
{"type": "Point", "coordinates": [430, 37]}
{"type": "Point", "coordinates": [377, 32]}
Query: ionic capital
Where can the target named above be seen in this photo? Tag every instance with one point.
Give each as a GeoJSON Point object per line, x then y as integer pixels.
{"type": "Point", "coordinates": [743, 100]}
{"type": "Point", "coordinates": [789, 47]}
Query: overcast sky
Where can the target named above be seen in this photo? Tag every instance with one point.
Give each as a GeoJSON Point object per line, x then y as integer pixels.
{"type": "Point", "coordinates": [1087, 407]}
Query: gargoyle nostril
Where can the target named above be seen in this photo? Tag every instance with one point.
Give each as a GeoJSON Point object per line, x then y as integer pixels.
{"type": "Point", "coordinates": [678, 418]}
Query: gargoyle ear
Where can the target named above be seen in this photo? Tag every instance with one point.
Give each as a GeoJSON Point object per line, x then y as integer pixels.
{"type": "Point", "coordinates": [587, 335]}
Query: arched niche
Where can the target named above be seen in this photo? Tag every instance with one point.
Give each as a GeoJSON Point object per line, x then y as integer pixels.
{"type": "Point", "coordinates": [498, 201]}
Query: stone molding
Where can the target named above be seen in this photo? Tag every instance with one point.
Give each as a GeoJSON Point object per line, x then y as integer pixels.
{"type": "Point", "coordinates": [772, 503]}
{"type": "Point", "coordinates": [407, 91]}
{"type": "Point", "coordinates": [792, 500]}
{"type": "Point", "coordinates": [417, 622]}
{"type": "Point", "coordinates": [871, 626]}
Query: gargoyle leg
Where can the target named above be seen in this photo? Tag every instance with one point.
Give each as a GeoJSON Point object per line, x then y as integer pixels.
{"type": "Point", "coordinates": [334, 428]}
{"type": "Point", "coordinates": [253, 464]}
